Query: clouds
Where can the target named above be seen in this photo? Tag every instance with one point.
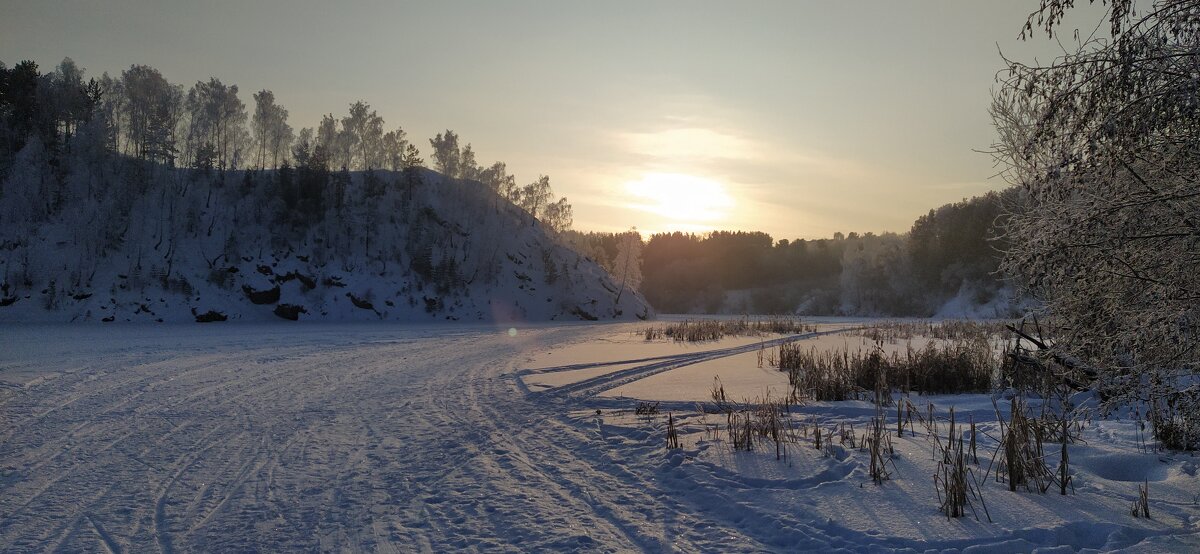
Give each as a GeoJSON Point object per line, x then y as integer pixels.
{"type": "Point", "coordinates": [688, 145]}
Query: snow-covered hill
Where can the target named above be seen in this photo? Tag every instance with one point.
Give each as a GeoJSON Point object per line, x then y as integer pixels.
{"type": "Point", "coordinates": [146, 243]}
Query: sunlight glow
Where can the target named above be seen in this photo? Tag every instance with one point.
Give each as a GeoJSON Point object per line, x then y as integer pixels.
{"type": "Point", "coordinates": [690, 144]}
{"type": "Point", "coordinates": [683, 199]}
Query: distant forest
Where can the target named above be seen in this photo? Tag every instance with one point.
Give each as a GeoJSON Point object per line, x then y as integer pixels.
{"type": "Point", "coordinates": [947, 261]}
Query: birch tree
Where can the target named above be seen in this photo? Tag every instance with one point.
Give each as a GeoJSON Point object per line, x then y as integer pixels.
{"type": "Point", "coordinates": [536, 195]}
{"type": "Point", "coordinates": [628, 263]}
{"type": "Point", "coordinates": [272, 134]}
{"type": "Point", "coordinates": [218, 118]}
{"type": "Point", "coordinates": [446, 155]}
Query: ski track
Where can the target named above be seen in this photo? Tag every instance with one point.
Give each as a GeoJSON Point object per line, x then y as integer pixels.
{"type": "Point", "coordinates": [382, 438]}
{"type": "Point", "coordinates": [387, 441]}
{"type": "Point", "coordinates": [588, 388]}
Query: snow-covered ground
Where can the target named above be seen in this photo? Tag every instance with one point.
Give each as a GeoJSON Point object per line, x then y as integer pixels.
{"type": "Point", "coordinates": [380, 437]}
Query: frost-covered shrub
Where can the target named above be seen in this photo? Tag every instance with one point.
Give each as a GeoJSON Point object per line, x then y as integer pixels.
{"type": "Point", "coordinates": [1102, 143]}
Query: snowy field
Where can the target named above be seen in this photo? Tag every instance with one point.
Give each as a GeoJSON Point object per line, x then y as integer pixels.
{"type": "Point", "coordinates": [357, 437]}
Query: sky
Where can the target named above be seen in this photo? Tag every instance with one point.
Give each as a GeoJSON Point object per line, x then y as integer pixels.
{"type": "Point", "coordinates": [795, 118]}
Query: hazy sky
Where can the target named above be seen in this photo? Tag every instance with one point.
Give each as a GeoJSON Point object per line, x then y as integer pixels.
{"type": "Point", "coordinates": [795, 118]}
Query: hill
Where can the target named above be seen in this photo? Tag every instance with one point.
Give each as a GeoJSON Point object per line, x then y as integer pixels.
{"type": "Point", "coordinates": [108, 238]}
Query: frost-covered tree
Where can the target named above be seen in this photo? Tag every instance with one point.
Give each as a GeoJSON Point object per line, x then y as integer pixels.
{"type": "Point", "coordinates": [264, 113]}
{"type": "Point", "coordinates": [497, 179]}
{"type": "Point", "coordinates": [536, 195]}
{"type": "Point", "coordinates": [23, 193]}
{"type": "Point", "coordinates": [468, 168]}
{"type": "Point", "coordinates": [327, 135]}
{"type": "Point", "coordinates": [875, 277]}
{"type": "Point", "coordinates": [281, 137]}
{"type": "Point", "coordinates": [302, 146]}
{"type": "Point", "coordinates": [446, 155]}
{"type": "Point", "coordinates": [151, 112]}
{"type": "Point", "coordinates": [66, 101]}
{"type": "Point", "coordinates": [627, 266]}
{"type": "Point", "coordinates": [218, 118]}
{"type": "Point", "coordinates": [109, 103]}
{"type": "Point", "coordinates": [1104, 143]}
{"type": "Point", "coordinates": [559, 215]}
{"type": "Point", "coordinates": [272, 134]}
{"type": "Point", "coordinates": [373, 154]}
{"type": "Point", "coordinates": [394, 144]}
{"type": "Point", "coordinates": [361, 138]}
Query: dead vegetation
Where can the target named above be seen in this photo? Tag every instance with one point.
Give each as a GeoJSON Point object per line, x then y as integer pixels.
{"type": "Point", "coordinates": [765, 417]}
{"type": "Point", "coordinates": [1175, 421]}
{"type": "Point", "coordinates": [958, 366]}
{"type": "Point", "coordinates": [646, 408]}
{"type": "Point", "coordinates": [672, 433]}
{"type": "Point", "coordinates": [956, 485]}
{"type": "Point", "coordinates": [1141, 506]}
{"type": "Point", "coordinates": [879, 444]}
{"type": "Point", "coordinates": [703, 330]}
{"type": "Point", "coordinates": [1020, 457]}
{"type": "Point", "coordinates": [963, 358]}
{"type": "Point", "coordinates": [893, 332]}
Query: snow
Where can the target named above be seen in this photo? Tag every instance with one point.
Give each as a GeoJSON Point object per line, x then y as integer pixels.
{"type": "Point", "coordinates": [395, 438]}
{"type": "Point", "coordinates": [740, 375]}
{"type": "Point", "coordinates": [454, 251]}
{"type": "Point", "coordinates": [966, 304]}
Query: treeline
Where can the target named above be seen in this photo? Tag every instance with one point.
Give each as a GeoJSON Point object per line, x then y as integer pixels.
{"type": "Point", "coordinates": [951, 253]}
{"type": "Point", "coordinates": [141, 115]}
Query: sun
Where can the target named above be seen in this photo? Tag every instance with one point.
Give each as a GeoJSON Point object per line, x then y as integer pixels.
{"type": "Point", "coordinates": [681, 199]}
